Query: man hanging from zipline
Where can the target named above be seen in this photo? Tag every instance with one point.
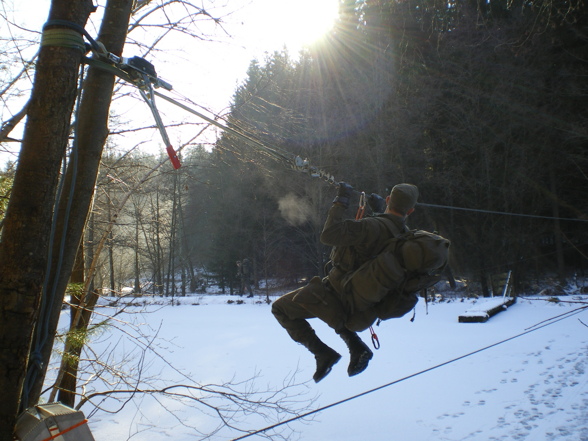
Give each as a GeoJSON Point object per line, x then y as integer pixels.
{"type": "Point", "coordinates": [331, 299]}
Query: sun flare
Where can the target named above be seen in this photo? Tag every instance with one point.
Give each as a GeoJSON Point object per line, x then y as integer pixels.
{"type": "Point", "coordinates": [296, 24]}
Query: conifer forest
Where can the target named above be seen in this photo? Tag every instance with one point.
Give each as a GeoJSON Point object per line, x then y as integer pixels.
{"type": "Point", "coordinates": [481, 105]}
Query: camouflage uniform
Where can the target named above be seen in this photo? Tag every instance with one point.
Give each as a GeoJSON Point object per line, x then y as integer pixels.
{"type": "Point", "coordinates": [326, 298]}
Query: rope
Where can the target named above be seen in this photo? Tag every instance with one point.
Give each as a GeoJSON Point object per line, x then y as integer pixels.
{"type": "Point", "coordinates": [432, 368]}
{"type": "Point", "coordinates": [501, 212]}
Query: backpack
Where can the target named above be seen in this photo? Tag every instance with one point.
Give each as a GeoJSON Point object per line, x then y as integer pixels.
{"type": "Point", "coordinates": [343, 257]}
{"type": "Point", "coordinates": [403, 266]}
{"type": "Point", "coordinates": [347, 259]}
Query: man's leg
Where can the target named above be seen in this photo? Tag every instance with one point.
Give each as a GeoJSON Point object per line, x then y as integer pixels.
{"type": "Point", "coordinates": [292, 316]}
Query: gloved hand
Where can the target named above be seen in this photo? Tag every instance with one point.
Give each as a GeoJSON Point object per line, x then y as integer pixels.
{"type": "Point", "coordinates": [343, 194]}
{"type": "Point", "coordinates": [377, 203]}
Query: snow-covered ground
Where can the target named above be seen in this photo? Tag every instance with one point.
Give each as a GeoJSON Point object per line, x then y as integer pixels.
{"type": "Point", "coordinates": [529, 383]}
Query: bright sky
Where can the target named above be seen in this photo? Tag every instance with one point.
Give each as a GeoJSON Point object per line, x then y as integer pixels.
{"type": "Point", "coordinates": [257, 27]}
{"type": "Point", "coordinates": [208, 72]}
{"type": "Point", "coordinates": [205, 70]}
{"type": "Point", "coordinates": [291, 23]}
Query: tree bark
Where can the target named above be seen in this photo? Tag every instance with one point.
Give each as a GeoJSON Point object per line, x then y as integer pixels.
{"type": "Point", "coordinates": [92, 130]}
{"type": "Point", "coordinates": [27, 226]}
{"type": "Point", "coordinates": [82, 307]}
{"type": "Point", "coordinates": [137, 287]}
{"type": "Point", "coordinates": [559, 254]}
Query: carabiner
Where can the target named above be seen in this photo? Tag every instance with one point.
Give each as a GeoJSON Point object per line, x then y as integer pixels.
{"type": "Point", "coordinates": [375, 340]}
{"type": "Point", "coordinates": [361, 208]}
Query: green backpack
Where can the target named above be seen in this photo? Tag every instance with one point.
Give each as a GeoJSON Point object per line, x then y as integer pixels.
{"type": "Point", "coordinates": [405, 265]}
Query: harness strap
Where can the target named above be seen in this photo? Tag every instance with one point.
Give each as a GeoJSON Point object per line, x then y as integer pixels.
{"type": "Point", "coordinates": [63, 37]}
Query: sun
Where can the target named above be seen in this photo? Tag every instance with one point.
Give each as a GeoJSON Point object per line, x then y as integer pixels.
{"type": "Point", "coordinates": [304, 22]}
{"type": "Point", "coordinates": [294, 23]}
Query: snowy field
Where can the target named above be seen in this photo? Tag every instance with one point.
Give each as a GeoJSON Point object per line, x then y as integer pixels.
{"type": "Point", "coordinates": [529, 383]}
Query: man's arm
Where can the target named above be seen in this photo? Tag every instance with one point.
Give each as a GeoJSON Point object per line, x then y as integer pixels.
{"type": "Point", "coordinates": [339, 231]}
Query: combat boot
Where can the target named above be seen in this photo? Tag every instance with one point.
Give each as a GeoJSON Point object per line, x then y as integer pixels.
{"type": "Point", "coordinates": [359, 353]}
{"type": "Point", "coordinates": [325, 356]}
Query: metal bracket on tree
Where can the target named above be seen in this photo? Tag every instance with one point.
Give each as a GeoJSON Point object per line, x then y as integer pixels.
{"type": "Point", "coordinates": [135, 70]}
{"type": "Point", "coordinates": [143, 75]}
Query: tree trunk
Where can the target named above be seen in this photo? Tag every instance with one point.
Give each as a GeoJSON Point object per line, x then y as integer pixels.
{"type": "Point", "coordinates": [92, 130]}
{"type": "Point", "coordinates": [160, 272]}
{"type": "Point", "coordinates": [82, 306]}
{"type": "Point", "coordinates": [27, 227]}
{"type": "Point", "coordinates": [561, 267]}
{"type": "Point", "coordinates": [113, 289]}
{"type": "Point", "coordinates": [137, 287]}
{"type": "Point", "coordinates": [70, 359]}
{"type": "Point", "coordinates": [171, 268]}
{"type": "Point", "coordinates": [186, 256]}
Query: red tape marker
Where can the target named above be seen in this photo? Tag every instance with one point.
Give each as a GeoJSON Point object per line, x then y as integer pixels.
{"type": "Point", "coordinates": [81, 423]}
{"type": "Point", "coordinates": [173, 157]}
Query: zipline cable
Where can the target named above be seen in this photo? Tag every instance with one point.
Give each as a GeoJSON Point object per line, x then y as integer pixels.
{"type": "Point", "coordinates": [500, 212]}
{"type": "Point", "coordinates": [283, 156]}
{"type": "Point", "coordinates": [137, 71]}
{"type": "Point", "coordinates": [290, 158]}
{"type": "Point", "coordinates": [252, 141]}
{"type": "Point", "coordinates": [345, 400]}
